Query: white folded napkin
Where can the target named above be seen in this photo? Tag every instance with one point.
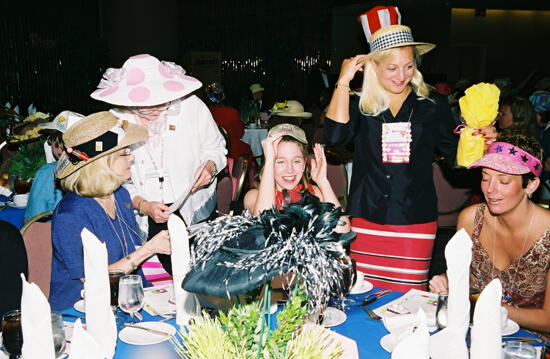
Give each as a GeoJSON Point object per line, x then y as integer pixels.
{"type": "Point", "coordinates": [187, 304]}
{"type": "Point", "coordinates": [5, 191]}
{"type": "Point", "coordinates": [36, 323]}
{"type": "Point", "coordinates": [100, 320]}
{"type": "Point", "coordinates": [415, 345]}
{"type": "Point", "coordinates": [458, 254]}
{"type": "Point", "coordinates": [486, 330]}
{"type": "Point", "coordinates": [83, 345]}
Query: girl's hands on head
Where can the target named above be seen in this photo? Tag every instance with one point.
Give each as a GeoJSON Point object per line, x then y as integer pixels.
{"type": "Point", "coordinates": [269, 146]}
{"type": "Point", "coordinates": [160, 243]}
{"type": "Point", "coordinates": [318, 164]}
{"type": "Point", "coordinates": [349, 67]}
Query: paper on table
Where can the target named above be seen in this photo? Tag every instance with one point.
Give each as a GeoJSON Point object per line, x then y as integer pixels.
{"type": "Point", "coordinates": [100, 320]}
{"type": "Point", "coordinates": [458, 254]}
{"type": "Point", "coordinates": [415, 345]}
{"type": "Point", "coordinates": [187, 304]}
{"type": "Point", "coordinates": [158, 298]}
{"type": "Point", "coordinates": [187, 191]}
{"type": "Point", "coordinates": [486, 331]}
{"type": "Point", "coordinates": [83, 345]}
{"type": "Point", "coordinates": [409, 303]}
{"type": "Point", "coordinates": [36, 323]}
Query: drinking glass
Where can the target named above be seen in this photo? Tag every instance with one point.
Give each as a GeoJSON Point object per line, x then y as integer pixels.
{"type": "Point", "coordinates": [114, 279]}
{"type": "Point", "coordinates": [441, 311]}
{"type": "Point", "coordinates": [545, 350]}
{"type": "Point", "coordinates": [130, 294]}
{"type": "Point", "coordinates": [12, 336]}
{"type": "Point", "coordinates": [519, 350]}
{"type": "Point", "coordinates": [58, 331]}
{"type": "Point", "coordinates": [474, 295]}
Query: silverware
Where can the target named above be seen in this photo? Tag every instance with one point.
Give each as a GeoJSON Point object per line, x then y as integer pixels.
{"type": "Point", "coordinates": [372, 315]}
{"type": "Point", "coordinates": [523, 339]}
{"type": "Point", "coordinates": [154, 311]}
{"type": "Point", "coordinates": [371, 298]}
{"type": "Point", "coordinates": [158, 332]}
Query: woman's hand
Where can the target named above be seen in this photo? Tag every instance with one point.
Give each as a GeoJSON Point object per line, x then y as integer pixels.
{"type": "Point", "coordinates": [349, 68]}
{"type": "Point", "coordinates": [205, 177]}
{"type": "Point", "coordinates": [160, 243]}
{"type": "Point", "coordinates": [343, 225]}
{"type": "Point", "coordinates": [156, 210]}
{"type": "Point", "coordinates": [269, 146]}
{"type": "Point", "coordinates": [439, 284]}
{"type": "Point", "coordinates": [489, 133]}
{"type": "Point", "coordinates": [318, 164]}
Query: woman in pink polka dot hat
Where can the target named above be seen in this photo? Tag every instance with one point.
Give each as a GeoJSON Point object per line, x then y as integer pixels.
{"type": "Point", "coordinates": [184, 148]}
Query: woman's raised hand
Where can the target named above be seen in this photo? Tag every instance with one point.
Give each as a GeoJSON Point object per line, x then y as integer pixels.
{"type": "Point", "coordinates": [156, 210]}
{"type": "Point", "coordinates": [318, 164]}
{"type": "Point", "coordinates": [349, 68]}
{"type": "Point", "coordinates": [160, 243]}
{"type": "Point", "coordinates": [269, 146]}
{"type": "Point", "coordinates": [489, 133]}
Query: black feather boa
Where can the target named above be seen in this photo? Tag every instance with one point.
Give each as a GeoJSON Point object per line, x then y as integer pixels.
{"type": "Point", "coordinates": [233, 255]}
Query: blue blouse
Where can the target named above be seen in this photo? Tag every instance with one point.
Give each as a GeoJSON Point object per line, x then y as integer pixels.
{"type": "Point", "coordinates": [72, 215]}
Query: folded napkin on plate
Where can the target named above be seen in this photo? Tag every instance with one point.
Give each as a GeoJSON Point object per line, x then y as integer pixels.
{"type": "Point", "coordinates": [187, 304]}
{"type": "Point", "coordinates": [415, 345]}
{"type": "Point", "coordinates": [458, 254]}
{"type": "Point", "coordinates": [83, 345]}
{"type": "Point", "coordinates": [36, 323]}
{"type": "Point", "coordinates": [486, 331]}
{"type": "Point", "coordinates": [100, 320]}
{"type": "Point", "coordinates": [6, 193]}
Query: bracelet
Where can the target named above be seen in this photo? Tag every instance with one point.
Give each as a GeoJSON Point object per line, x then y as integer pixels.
{"type": "Point", "coordinates": [139, 207]}
{"type": "Point", "coordinates": [339, 85]}
{"type": "Point", "coordinates": [134, 266]}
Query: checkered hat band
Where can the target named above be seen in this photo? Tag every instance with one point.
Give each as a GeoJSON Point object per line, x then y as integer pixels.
{"type": "Point", "coordinates": [391, 39]}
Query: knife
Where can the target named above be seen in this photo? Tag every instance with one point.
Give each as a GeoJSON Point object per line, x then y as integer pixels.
{"type": "Point", "coordinates": [158, 332]}
{"type": "Point", "coordinates": [375, 297]}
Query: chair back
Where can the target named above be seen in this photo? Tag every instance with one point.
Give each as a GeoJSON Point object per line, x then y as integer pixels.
{"type": "Point", "coordinates": [224, 194]}
{"type": "Point", "coordinates": [226, 137]}
{"type": "Point", "coordinates": [338, 179]}
{"type": "Point", "coordinates": [450, 200]}
{"type": "Point", "coordinates": [239, 171]}
{"type": "Point", "coordinates": [38, 242]}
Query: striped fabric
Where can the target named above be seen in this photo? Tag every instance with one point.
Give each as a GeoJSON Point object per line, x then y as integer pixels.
{"type": "Point", "coordinates": [154, 273]}
{"type": "Point", "coordinates": [379, 17]}
{"type": "Point", "coordinates": [395, 257]}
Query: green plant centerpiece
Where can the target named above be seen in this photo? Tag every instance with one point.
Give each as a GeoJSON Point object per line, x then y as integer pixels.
{"type": "Point", "coordinates": [28, 159]}
{"type": "Point", "coordinates": [234, 255]}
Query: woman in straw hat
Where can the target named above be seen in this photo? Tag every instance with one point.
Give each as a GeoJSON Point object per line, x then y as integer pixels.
{"type": "Point", "coordinates": [396, 128]}
{"type": "Point", "coordinates": [510, 234]}
{"type": "Point", "coordinates": [183, 151]}
{"type": "Point", "coordinates": [92, 169]}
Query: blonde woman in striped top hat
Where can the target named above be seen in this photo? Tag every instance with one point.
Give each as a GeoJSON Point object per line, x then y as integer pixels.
{"type": "Point", "coordinates": [396, 128]}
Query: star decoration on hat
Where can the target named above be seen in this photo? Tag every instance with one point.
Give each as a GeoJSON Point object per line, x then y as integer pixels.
{"type": "Point", "coordinates": [537, 166]}
{"type": "Point", "coordinates": [498, 149]}
{"type": "Point", "coordinates": [513, 151]}
{"type": "Point", "coordinates": [524, 158]}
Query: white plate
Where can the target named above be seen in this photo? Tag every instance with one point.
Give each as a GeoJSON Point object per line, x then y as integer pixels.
{"type": "Point", "coordinates": [11, 204]}
{"type": "Point", "coordinates": [360, 288]}
{"type": "Point", "coordinates": [79, 306]}
{"type": "Point", "coordinates": [333, 317]}
{"type": "Point", "coordinates": [387, 342]}
{"type": "Point", "coordinates": [510, 328]}
{"type": "Point", "coordinates": [142, 337]}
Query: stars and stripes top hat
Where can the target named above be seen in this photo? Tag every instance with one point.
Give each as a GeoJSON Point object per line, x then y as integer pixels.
{"type": "Point", "coordinates": [507, 158]}
{"type": "Point", "coordinates": [383, 29]}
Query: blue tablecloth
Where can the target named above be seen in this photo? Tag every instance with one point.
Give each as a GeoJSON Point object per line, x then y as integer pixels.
{"type": "Point", "coordinates": [367, 334]}
{"type": "Point", "coordinates": [12, 215]}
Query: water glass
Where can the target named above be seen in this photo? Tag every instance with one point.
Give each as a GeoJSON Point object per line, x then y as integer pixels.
{"type": "Point", "coordinates": [519, 350]}
{"type": "Point", "coordinates": [130, 294]}
{"type": "Point", "coordinates": [441, 311]}
{"type": "Point", "coordinates": [12, 335]}
{"type": "Point", "coordinates": [58, 331]}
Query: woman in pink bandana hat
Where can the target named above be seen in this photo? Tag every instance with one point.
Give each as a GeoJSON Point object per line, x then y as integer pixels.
{"type": "Point", "coordinates": [510, 234]}
{"type": "Point", "coordinates": [184, 149]}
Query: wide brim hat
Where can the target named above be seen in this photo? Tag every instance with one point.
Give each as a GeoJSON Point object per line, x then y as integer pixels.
{"type": "Point", "coordinates": [93, 137]}
{"type": "Point", "coordinates": [62, 121]}
{"type": "Point", "coordinates": [507, 158]}
{"type": "Point", "coordinates": [383, 30]}
{"type": "Point", "coordinates": [256, 88]}
{"type": "Point", "coordinates": [293, 108]}
{"type": "Point", "coordinates": [291, 130]}
{"type": "Point", "coordinates": [143, 80]}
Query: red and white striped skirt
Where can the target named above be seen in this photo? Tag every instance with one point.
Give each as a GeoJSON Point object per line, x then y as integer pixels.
{"type": "Point", "coordinates": [394, 257]}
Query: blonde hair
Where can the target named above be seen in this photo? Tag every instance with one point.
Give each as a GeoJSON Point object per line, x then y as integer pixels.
{"type": "Point", "coordinates": [95, 179]}
{"type": "Point", "coordinates": [374, 99]}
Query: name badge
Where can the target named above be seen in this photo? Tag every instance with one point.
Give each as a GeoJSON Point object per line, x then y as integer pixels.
{"type": "Point", "coordinates": [396, 142]}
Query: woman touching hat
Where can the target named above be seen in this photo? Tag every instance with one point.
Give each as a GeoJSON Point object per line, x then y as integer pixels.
{"type": "Point", "coordinates": [396, 128]}
{"type": "Point", "coordinates": [92, 169]}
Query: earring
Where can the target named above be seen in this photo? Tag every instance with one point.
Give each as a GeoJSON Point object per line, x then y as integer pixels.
{"type": "Point", "coordinates": [530, 195]}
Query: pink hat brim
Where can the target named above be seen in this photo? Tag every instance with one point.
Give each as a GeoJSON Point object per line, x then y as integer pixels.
{"type": "Point", "coordinates": [500, 163]}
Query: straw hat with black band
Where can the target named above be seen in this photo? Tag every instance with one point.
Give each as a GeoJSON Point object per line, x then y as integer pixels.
{"type": "Point", "coordinates": [93, 137]}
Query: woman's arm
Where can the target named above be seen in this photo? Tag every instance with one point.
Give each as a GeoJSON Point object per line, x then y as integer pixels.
{"type": "Point", "coordinates": [338, 109]}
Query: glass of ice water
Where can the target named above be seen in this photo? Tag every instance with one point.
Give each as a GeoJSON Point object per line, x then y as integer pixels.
{"type": "Point", "coordinates": [519, 350]}
{"type": "Point", "coordinates": [130, 294]}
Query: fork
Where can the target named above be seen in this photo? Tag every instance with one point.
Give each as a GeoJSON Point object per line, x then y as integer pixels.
{"type": "Point", "coordinates": [154, 311]}
{"type": "Point", "coordinates": [372, 315]}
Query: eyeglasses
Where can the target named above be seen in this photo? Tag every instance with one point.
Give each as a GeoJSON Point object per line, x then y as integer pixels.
{"type": "Point", "coordinates": [145, 111]}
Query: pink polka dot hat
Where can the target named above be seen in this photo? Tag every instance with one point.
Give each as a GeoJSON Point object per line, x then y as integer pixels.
{"type": "Point", "coordinates": [143, 80]}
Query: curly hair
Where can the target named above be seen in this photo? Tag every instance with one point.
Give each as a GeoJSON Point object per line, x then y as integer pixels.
{"type": "Point", "coordinates": [527, 143]}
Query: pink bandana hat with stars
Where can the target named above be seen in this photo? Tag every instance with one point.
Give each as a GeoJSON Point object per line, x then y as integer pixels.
{"type": "Point", "coordinates": [143, 80]}
{"type": "Point", "coordinates": [509, 159]}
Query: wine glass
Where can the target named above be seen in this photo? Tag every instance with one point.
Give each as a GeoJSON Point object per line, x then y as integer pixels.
{"type": "Point", "coordinates": [58, 331]}
{"type": "Point", "coordinates": [441, 311]}
{"type": "Point", "coordinates": [12, 335]}
{"type": "Point", "coordinates": [130, 294]}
